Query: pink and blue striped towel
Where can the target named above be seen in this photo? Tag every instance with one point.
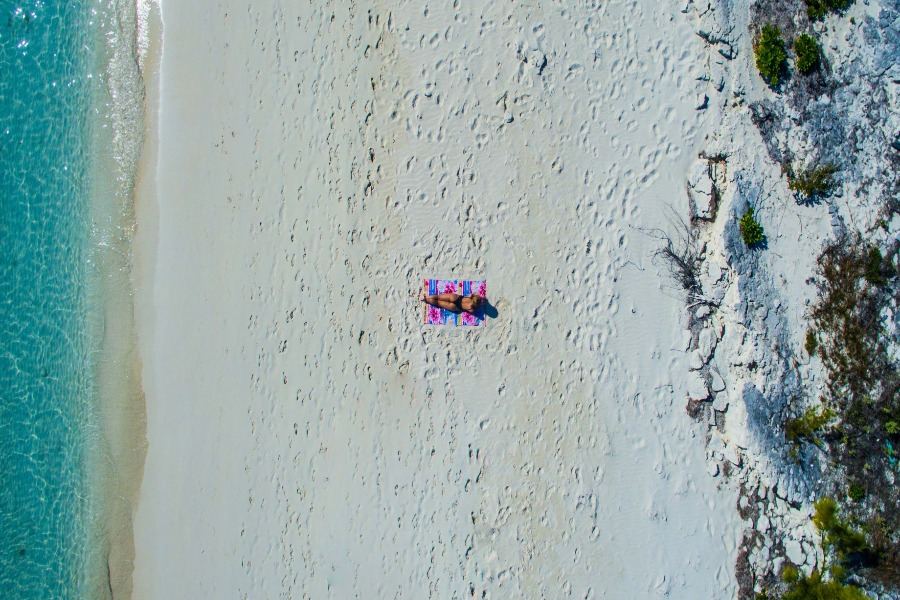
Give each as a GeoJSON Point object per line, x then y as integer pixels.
{"type": "Point", "coordinates": [464, 287]}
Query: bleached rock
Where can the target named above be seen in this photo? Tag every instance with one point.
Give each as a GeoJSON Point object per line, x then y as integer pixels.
{"type": "Point", "coordinates": [810, 553]}
{"type": "Point", "coordinates": [733, 455]}
{"type": "Point", "coordinates": [701, 184]}
{"type": "Point", "coordinates": [715, 271]}
{"type": "Point", "coordinates": [686, 337]}
{"type": "Point", "coordinates": [743, 503]}
{"type": "Point", "coordinates": [777, 563]}
{"type": "Point", "coordinates": [696, 360]}
{"type": "Point", "coordinates": [706, 343]}
{"type": "Point", "coordinates": [697, 389]}
{"type": "Point", "coordinates": [781, 487]}
{"type": "Point", "coordinates": [720, 403]}
{"type": "Point", "coordinates": [717, 384]}
{"type": "Point", "coordinates": [794, 551]}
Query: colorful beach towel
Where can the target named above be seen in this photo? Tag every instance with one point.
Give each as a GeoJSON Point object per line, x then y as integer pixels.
{"type": "Point", "coordinates": [464, 287]}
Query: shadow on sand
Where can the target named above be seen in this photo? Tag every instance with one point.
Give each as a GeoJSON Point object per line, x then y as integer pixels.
{"type": "Point", "coordinates": [487, 310]}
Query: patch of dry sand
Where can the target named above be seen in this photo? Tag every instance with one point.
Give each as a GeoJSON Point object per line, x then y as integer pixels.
{"type": "Point", "coordinates": [308, 437]}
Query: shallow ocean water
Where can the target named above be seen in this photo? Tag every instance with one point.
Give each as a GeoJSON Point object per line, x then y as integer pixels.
{"type": "Point", "coordinates": [46, 355]}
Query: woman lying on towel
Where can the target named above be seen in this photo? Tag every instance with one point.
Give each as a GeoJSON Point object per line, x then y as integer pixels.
{"type": "Point", "coordinates": [454, 302]}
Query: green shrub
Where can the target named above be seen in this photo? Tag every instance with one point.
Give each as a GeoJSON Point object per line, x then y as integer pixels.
{"type": "Point", "coordinates": [856, 492]}
{"type": "Point", "coordinates": [836, 532]}
{"type": "Point", "coordinates": [892, 428]}
{"type": "Point", "coordinates": [808, 425]}
{"type": "Point", "coordinates": [808, 53]}
{"type": "Point", "coordinates": [817, 9]}
{"type": "Point", "coordinates": [811, 342]}
{"type": "Point", "coordinates": [771, 57]}
{"type": "Point", "coordinates": [815, 181]}
{"type": "Point", "coordinates": [815, 588]}
{"type": "Point", "coordinates": [751, 231]}
{"type": "Point", "coordinates": [863, 376]}
{"type": "Point", "coordinates": [873, 272]}
{"type": "Point", "coordinates": [837, 535]}
{"type": "Point", "coordinates": [790, 574]}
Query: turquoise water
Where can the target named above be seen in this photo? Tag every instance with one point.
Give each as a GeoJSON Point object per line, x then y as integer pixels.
{"type": "Point", "coordinates": [47, 53]}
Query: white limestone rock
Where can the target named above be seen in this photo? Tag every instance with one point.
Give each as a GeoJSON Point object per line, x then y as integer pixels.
{"type": "Point", "coordinates": [701, 186]}
{"type": "Point", "coordinates": [721, 403]}
{"type": "Point", "coordinates": [794, 551]}
{"type": "Point", "coordinates": [733, 455]}
{"type": "Point", "coordinates": [697, 389]}
{"type": "Point", "coordinates": [706, 343]}
{"type": "Point", "coordinates": [717, 384]}
{"type": "Point", "coordinates": [696, 361]}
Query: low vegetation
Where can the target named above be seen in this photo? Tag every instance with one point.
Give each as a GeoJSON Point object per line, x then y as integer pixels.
{"type": "Point", "coordinates": [813, 182]}
{"type": "Point", "coordinates": [808, 53]}
{"type": "Point", "coordinates": [875, 267]}
{"type": "Point", "coordinates": [811, 342]}
{"type": "Point", "coordinates": [682, 256]}
{"type": "Point", "coordinates": [856, 286]}
{"type": "Point", "coordinates": [839, 537]}
{"type": "Point", "coordinates": [751, 231]}
{"type": "Point", "coordinates": [771, 56]}
{"type": "Point", "coordinates": [842, 544]}
{"type": "Point", "coordinates": [814, 587]}
{"type": "Point", "coordinates": [818, 9]}
{"type": "Point", "coordinates": [856, 492]}
{"type": "Point", "coordinates": [808, 426]}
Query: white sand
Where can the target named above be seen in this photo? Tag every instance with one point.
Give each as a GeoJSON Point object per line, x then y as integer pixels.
{"type": "Point", "coordinates": [308, 437]}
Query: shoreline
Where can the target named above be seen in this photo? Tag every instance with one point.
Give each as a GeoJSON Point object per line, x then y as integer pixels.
{"type": "Point", "coordinates": [145, 241]}
{"type": "Point", "coordinates": [120, 445]}
{"type": "Point", "coordinates": [148, 42]}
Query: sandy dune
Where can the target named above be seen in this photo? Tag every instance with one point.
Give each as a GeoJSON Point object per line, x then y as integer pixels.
{"type": "Point", "coordinates": [308, 437]}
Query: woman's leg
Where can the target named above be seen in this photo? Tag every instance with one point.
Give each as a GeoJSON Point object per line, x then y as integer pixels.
{"type": "Point", "coordinates": [451, 306]}
{"type": "Point", "coordinates": [445, 301]}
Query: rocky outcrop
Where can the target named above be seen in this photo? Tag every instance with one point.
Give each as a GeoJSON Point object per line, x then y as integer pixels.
{"type": "Point", "coordinates": [750, 370]}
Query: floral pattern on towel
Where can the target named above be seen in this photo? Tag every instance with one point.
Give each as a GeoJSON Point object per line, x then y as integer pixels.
{"type": "Point", "coordinates": [464, 287]}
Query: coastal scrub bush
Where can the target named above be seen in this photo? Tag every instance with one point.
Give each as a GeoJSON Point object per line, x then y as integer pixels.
{"type": "Point", "coordinates": [771, 56]}
{"type": "Point", "coordinates": [811, 342]}
{"type": "Point", "coordinates": [856, 492]}
{"type": "Point", "coordinates": [682, 256]}
{"type": "Point", "coordinates": [839, 540]}
{"type": "Point", "coordinates": [815, 181]}
{"type": "Point", "coordinates": [751, 231]}
{"type": "Point", "coordinates": [856, 284]}
{"type": "Point", "coordinates": [853, 290]}
{"type": "Point", "coordinates": [814, 587]}
{"type": "Point", "coordinates": [817, 9]}
{"type": "Point", "coordinates": [837, 533]}
{"type": "Point", "coordinates": [808, 425]}
{"type": "Point", "coordinates": [875, 267]}
{"type": "Point", "coordinates": [808, 53]}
